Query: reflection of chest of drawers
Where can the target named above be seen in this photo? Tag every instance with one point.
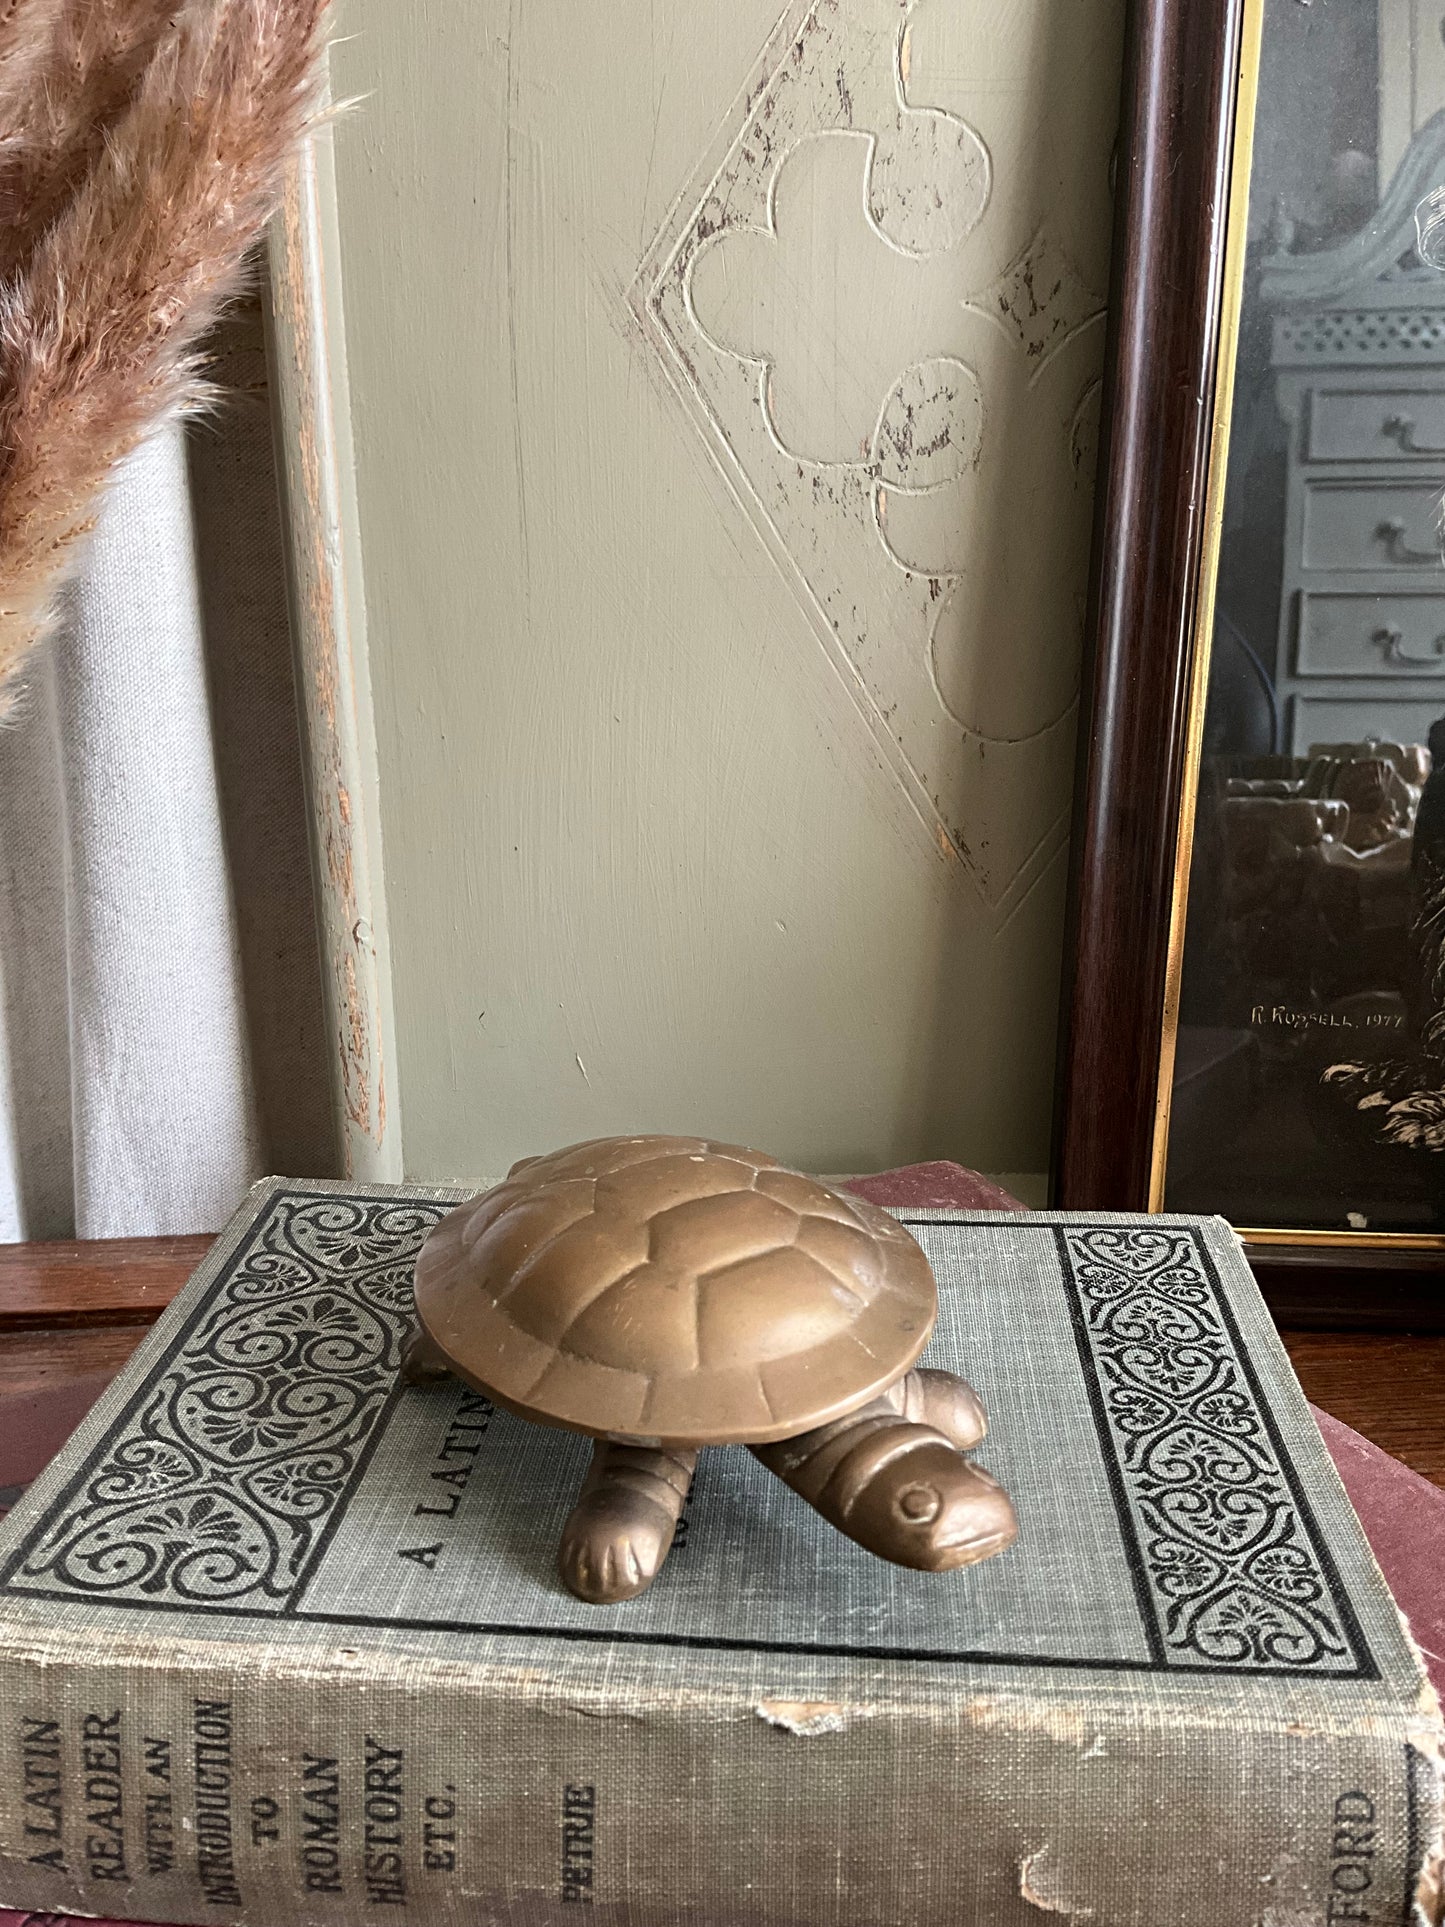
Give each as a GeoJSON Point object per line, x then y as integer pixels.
{"type": "Point", "coordinates": [1361, 645]}
{"type": "Point", "coordinates": [1358, 353]}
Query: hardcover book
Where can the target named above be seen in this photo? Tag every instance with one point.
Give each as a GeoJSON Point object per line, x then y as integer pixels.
{"type": "Point", "coordinates": [281, 1640]}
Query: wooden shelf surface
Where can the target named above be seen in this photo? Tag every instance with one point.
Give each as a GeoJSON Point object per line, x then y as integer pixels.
{"type": "Point", "coordinates": [106, 1281]}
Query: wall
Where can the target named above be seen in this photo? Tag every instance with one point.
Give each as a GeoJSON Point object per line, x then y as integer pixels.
{"type": "Point", "coordinates": [724, 389]}
{"type": "Point", "coordinates": [1412, 76]}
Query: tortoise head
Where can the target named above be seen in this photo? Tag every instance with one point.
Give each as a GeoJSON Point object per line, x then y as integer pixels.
{"type": "Point", "coordinates": [930, 1508]}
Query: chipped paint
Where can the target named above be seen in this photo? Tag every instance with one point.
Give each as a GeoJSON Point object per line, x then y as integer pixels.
{"type": "Point", "coordinates": [1038, 1885]}
{"type": "Point", "coordinates": [1058, 1720]}
{"type": "Point", "coordinates": [322, 624]}
{"type": "Point", "coordinates": [808, 1719]}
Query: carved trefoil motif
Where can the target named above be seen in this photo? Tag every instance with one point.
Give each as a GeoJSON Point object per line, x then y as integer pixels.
{"type": "Point", "coordinates": [880, 298]}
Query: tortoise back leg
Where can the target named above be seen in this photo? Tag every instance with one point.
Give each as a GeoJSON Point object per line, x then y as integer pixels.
{"type": "Point", "coordinates": [421, 1362]}
{"type": "Point", "coordinates": [899, 1488]}
{"type": "Point", "coordinates": [621, 1528]}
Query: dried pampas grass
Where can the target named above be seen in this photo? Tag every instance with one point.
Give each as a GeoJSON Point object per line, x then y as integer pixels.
{"type": "Point", "coordinates": [71, 71]}
{"type": "Point", "coordinates": [142, 144]}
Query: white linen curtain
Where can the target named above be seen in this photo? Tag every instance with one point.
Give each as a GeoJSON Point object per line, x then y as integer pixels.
{"type": "Point", "coordinates": [159, 1010]}
{"type": "Point", "coordinates": [129, 1105]}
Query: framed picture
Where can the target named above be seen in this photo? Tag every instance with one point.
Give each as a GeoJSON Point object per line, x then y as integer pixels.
{"type": "Point", "coordinates": [1254, 1011]}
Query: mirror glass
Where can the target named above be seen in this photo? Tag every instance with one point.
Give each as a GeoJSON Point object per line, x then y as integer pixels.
{"type": "Point", "coordinates": [1308, 1086]}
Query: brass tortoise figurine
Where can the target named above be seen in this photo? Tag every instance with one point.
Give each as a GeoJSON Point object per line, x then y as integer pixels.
{"type": "Point", "coordinates": [666, 1293]}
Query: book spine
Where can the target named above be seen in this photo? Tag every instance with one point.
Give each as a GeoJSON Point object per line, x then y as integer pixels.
{"type": "Point", "coordinates": [269, 1788]}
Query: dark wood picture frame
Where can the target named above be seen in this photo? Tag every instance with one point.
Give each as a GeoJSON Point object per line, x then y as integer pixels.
{"type": "Point", "coordinates": [1177, 120]}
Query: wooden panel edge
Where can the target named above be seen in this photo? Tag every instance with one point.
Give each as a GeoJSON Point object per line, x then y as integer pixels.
{"type": "Point", "coordinates": [305, 344]}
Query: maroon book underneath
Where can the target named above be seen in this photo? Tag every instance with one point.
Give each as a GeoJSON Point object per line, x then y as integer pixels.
{"type": "Point", "coordinates": [1403, 1514]}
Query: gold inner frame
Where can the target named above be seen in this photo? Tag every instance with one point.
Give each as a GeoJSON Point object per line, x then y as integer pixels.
{"type": "Point", "coordinates": [1201, 643]}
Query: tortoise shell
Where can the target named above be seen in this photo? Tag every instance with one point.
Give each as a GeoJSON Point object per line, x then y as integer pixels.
{"type": "Point", "coordinates": [673, 1289]}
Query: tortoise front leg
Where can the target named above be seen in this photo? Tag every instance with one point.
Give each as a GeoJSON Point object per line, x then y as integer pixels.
{"type": "Point", "coordinates": [422, 1362]}
{"type": "Point", "coordinates": [900, 1489]}
{"type": "Point", "coordinates": [621, 1528]}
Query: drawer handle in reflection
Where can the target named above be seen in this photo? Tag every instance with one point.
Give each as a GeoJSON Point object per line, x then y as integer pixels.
{"type": "Point", "coordinates": [1402, 429]}
{"type": "Point", "coordinates": [1391, 640]}
{"type": "Point", "coordinates": [1392, 535]}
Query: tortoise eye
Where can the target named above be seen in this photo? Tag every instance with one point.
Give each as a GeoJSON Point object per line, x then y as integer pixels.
{"type": "Point", "coordinates": [919, 1503]}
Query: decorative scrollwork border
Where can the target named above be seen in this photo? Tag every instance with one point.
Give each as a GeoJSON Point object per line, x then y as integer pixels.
{"type": "Point", "coordinates": [220, 1482]}
{"type": "Point", "coordinates": [1230, 1571]}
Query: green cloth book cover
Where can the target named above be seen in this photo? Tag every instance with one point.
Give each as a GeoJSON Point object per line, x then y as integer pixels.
{"type": "Point", "coordinates": [281, 1640]}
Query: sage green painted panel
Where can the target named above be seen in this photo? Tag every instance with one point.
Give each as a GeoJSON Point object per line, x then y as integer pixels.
{"type": "Point", "coordinates": [723, 392]}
